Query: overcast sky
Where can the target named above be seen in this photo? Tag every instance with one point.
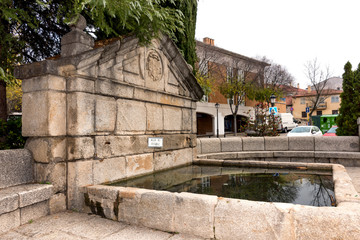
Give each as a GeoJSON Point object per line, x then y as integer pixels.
{"type": "Point", "coordinates": [289, 32]}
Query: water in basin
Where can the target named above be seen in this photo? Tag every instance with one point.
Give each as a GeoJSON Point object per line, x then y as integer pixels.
{"type": "Point", "coordinates": [270, 185]}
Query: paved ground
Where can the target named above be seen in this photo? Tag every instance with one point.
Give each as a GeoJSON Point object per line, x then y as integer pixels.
{"type": "Point", "coordinates": [74, 226]}
{"type": "Point", "coordinates": [354, 173]}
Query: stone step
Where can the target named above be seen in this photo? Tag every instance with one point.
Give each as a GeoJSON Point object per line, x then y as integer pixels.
{"type": "Point", "coordinates": [23, 203]}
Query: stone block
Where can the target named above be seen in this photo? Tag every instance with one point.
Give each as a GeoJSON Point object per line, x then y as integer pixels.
{"type": "Point", "coordinates": [268, 220]}
{"type": "Point", "coordinates": [105, 114]}
{"type": "Point", "coordinates": [109, 169]}
{"type": "Point", "coordinates": [155, 210]}
{"type": "Point", "coordinates": [194, 122]}
{"type": "Point", "coordinates": [154, 117]}
{"type": "Point", "coordinates": [226, 155]}
{"type": "Point", "coordinates": [80, 174]}
{"type": "Point", "coordinates": [198, 146]}
{"type": "Point", "coordinates": [334, 154]}
{"type": "Point", "coordinates": [165, 160]}
{"type": "Point", "coordinates": [54, 173]}
{"type": "Point", "coordinates": [170, 100]}
{"type": "Point", "coordinates": [103, 191]}
{"type": "Point", "coordinates": [337, 144]}
{"type": "Point", "coordinates": [57, 203]}
{"type": "Point", "coordinates": [145, 95]}
{"type": "Point", "coordinates": [129, 204]}
{"type": "Point", "coordinates": [33, 193]}
{"type": "Point", "coordinates": [301, 144]}
{"type": "Point", "coordinates": [44, 82]}
{"type": "Point", "coordinates": [253, 144]}
{"type": "Point", "coordinates": [194, 214]}
{"type": "Point", "coordinates": [15, 167]}
{"type": "Point", "coordinates": [114, 146]}
{"type": "Point", "coordinates": [186, 119]}
{"type": "Point", "coordinates": [231, 144]}
{"type": "Point", "coordinates": [131, 116]}
{"type": "Point", "coordinates": [278, 159]}
{"type": "Point", "coordinates": [80, 113]}
{"type": "Point", "coordinates": [46, 150]}
{"type": "Point", "coordinates": [9, 221]}
{"type": "Point", "coordinates": [302, 159]}
{"type": "Point", "coordinates": [78, 84]}
{"type": "Point", "coordinates": [172, 118]}
{"type": "Point", "coordinates": [294, 154]}
{"type": "Point", "coordinates": [276, 143]}
{"type": "Point", "coordinates": [34, 212]}
{"type": "Point", "coordinates": [139, 164]}
{"type": "Point", "coordinates": [258, 154]}
{"type": "Point", "coordinates": [176, 141]}
{"type": "Point", "coordinates": [44, 114]}
{"type": "Point", "coordinates": [9, 201]}
{"type": "Point", "coordinates": [110, 88]}
{"type": "Point", "coordinates": [325, 223]}
{"type": "Point", "coordinates": [210, 145]}
{"type": "Point", "coordinates": [80, 148]}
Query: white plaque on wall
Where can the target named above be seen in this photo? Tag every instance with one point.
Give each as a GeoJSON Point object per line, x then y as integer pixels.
{"type": "Point", "coordinates": [155, 142]}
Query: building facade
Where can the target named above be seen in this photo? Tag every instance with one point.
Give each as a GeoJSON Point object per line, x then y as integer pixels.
{"type": "Point", "coordinates": [223, 64]}
{"type": "Point", "coordinates": [329, 103]}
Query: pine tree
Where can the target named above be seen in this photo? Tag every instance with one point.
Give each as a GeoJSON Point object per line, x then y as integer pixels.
{"type": "Point", "coordinates": [350, 102]}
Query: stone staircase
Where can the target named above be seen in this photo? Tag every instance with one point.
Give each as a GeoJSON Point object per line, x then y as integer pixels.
{"type": "Point", "coordinates": [21, 200]}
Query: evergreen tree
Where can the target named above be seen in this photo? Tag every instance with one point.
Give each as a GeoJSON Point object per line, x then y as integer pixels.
{"type": "Point", "coordinates": [350, 102]}
{"type": "Point", "coordinates": [186, 40]}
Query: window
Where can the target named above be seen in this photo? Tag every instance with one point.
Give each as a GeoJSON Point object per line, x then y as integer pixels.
{"type": "Point", "coordinates": [303, 114]}
{"type": "Point", "coordinates": [322, 100]}
{"type": "Point", "coordinates": [318, 113]}
{"type": "Point", "coordinates": [229, 73]}
{"type": "Point", "coordinates": [302, 101]}
{"type": "Point", "coordinates": [334, 99]}
{"type": "Point", "coordinates": [240, 74]}
{"type": "Point", "coordinates": [335, 111]}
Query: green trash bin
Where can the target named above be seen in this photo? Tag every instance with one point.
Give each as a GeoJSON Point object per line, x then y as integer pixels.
{"type": "Point", "coordinates": [324, 122]}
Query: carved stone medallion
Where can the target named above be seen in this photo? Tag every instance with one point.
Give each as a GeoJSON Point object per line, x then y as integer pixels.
{"type": "Point", "coordinates": [154, 66]}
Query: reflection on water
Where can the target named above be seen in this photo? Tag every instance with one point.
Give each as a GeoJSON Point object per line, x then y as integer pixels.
{"type": "Point", "coordinates": [270, 185]}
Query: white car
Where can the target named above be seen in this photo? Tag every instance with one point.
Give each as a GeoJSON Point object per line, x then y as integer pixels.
{"type": "Point", "coordinates": [304, 131]}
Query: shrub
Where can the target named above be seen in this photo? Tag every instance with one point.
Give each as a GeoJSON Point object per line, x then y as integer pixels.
{"type": "Point", "coordinates": [11, 134]}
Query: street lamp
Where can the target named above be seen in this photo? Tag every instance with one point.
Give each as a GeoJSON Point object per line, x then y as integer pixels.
{"type": "Point", "coordinates": [217, 105]}
{"type": "Point", "coordinates": [272, 100]}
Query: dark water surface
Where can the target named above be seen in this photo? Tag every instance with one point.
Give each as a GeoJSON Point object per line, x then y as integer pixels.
{"type": "Point", "coordinates": [269, 185]}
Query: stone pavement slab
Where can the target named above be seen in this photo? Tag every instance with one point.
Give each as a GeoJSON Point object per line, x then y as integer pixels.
{"type": "Point", "coordinates": [354, 173]}
{"type": "Point", "coordinates": [72, 225]}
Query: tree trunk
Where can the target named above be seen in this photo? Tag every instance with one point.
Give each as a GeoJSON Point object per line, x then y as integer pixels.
{"type": "Point", "coordinates": [3, 108]}
{"type": "Point", "coordinates": [235, 125]}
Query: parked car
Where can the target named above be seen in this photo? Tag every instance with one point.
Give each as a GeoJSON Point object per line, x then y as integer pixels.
{"type": "Point", "coordinates": [331, 131]}
{"type": "Point", "coordinates": [287, 122]}
{"type": "Point", "coordinates": [303, 131]}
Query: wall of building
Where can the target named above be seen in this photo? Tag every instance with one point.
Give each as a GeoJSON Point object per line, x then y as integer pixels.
{"type": "Point", "coordinates": [299, 107]}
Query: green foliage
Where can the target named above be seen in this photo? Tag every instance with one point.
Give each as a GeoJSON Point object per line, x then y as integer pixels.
{"type": "Point", "coordinates": [11, 131]}
{"type": "Point", "coordinates": [206, 82]}
{"type": "Point", "coordinates": [350, 102]}
{"type": "Point", "coordinates": [185, 40]}
{"type": "Point", "coordinates": [263, 123]}
{"type": "Point", "coordinates": [146, 19]}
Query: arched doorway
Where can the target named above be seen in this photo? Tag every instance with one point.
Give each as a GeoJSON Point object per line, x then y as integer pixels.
{"type": "Point", "coordinates": [229, 123]}
{"type": "Point", "coordinates": [204, 124]}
